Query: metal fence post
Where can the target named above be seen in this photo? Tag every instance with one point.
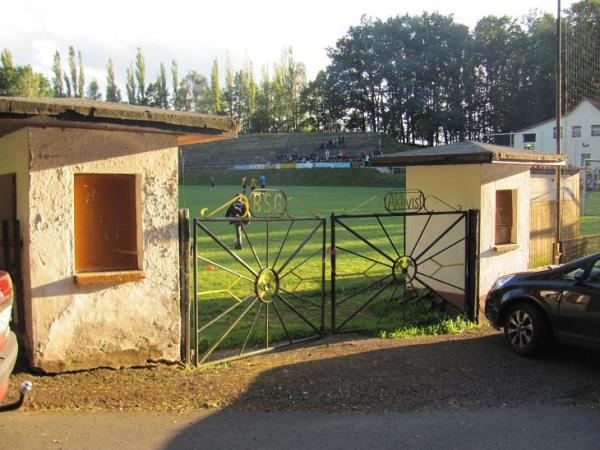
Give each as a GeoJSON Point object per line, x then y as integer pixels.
{"type": "Point", "coordinates": [472, 294]}
{"type": "Point", "coordinates": [184, 282]}
{"type": "Point", "coordinates": [195, 287]}
{"type": "Point", "coordinates": [332, 259]}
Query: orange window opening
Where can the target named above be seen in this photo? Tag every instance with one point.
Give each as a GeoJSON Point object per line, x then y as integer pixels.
{"type": "Point", "coordinates": [106, 229]}
{"type": "Point", "coordinates": [504, 217]}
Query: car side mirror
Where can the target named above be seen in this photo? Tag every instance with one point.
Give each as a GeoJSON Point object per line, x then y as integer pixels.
{"type": "Point", "coordinates": [580, 277]}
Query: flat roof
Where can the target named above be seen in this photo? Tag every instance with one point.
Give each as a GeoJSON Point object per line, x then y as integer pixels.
{"type": "Point", "coordinates": [21, 112]}
{"type": "Point", "coordinates": [468, 152]}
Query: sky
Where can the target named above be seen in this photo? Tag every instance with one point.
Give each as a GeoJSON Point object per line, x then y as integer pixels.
{"type": "Point", "coordinates": [194, 33]}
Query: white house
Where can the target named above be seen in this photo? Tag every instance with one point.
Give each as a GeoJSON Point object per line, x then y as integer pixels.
{"type": "Point", "coordinates": [580, 135]}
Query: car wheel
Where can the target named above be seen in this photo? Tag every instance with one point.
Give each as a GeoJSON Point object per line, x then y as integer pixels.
{"type": "Point", "coordinates": [526, 329]}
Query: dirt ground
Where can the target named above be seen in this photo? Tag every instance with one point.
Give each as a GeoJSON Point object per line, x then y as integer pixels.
{"type": "Point", "coordinates": [346, 373]}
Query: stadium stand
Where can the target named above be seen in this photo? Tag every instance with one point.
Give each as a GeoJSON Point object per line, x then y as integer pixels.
{"type": "Point", "coordinates": [271, 148]}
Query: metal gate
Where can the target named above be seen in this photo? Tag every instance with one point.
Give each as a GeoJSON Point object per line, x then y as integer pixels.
{"type": "Point", "coordinates": [271, 292]}
{"type": "Point", "coordinates": [395, 263]}
{"type": "Point", "coordinates": [267, 294]}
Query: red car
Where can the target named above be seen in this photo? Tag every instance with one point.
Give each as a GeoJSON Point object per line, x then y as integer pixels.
{"type": "Point", "coordinates": [8, 341]}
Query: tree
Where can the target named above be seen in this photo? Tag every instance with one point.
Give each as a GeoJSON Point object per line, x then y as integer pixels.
{"type": "Point", "coordinates": [175, 85]}
{"type": "Point", "coordinates": [229, 94]}
{"type": "Point", "coordinates": [140, 76]}
{"type": "Point", "coordinates": [73, 72]}
{"type": "Point", "coordinates": [130, 86]}
{"type": "Point", "coordinates": [215, 88]}
{"type": "Point", "coordinates": [7, 74]}
{"type": "Point", "coordinates": [81, 78]}
{"type": "Point", "coordinates": [113, 93]}
{"type": "Point", "coordinates": [157, 93]}
{"type": "Point", "coordinates": [21, 81]}
{"type": "Point", "coordinates": [68, 88]}
{"type": "Point", "coordinates": [163, 90]}
{"type": "Point", "coordinates": [93, 90]}
{"type": "Point", "coordinates": [581, 52]}
{"type": "Point", "coordinates": [57, 81]}
{"type": "Point", "coordinates": [199, 91]}
{"type": "Point", "coordinates": [262, 119]}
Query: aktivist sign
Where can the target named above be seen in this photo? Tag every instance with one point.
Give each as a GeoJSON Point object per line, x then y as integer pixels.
{"type": "Point", "coordinates": [405, 200]}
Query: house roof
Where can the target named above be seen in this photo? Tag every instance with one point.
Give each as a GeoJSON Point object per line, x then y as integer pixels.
{"type": "Point", "coordinates": [595, 103]}
{"type": "Point", "coordinates": [468, 152]}
{"type": "Point", "coordinates": [20, 112]}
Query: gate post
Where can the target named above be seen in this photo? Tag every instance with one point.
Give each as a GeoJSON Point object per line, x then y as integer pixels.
{"type": "Point", "coordinates": [332, 260]}
{"type": "Point", "coordinates": [184, 282]}
{"type": "Point", "coordinates": [472, 294]}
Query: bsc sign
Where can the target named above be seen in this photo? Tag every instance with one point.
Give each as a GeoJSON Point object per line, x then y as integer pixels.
{"type": "Point", "coordinates": [411, 200]}
{"type": "Point", "coordinates": [268, 203]}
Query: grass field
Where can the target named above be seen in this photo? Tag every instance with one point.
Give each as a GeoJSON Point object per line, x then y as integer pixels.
{"type": "Point", "coordinates": [590, 222]}
{"type": "Point", "coordinates": [226, 286]}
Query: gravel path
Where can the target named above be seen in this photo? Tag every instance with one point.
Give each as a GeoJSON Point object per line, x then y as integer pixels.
{"type": "Point", "coordinates": [341, 374]}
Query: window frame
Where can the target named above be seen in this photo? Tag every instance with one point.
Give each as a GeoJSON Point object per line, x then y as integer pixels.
{"type": "Point", "coordinates": [119, 273]}
{"type": "Point", "coordinates": [595, 130]}
{"type": "Point", "coordinates": [527, 138]}
{"type": "Point", "coordinates": [576, 131]}
{"type": "Point", "coordinates": [554, 132]}
{"type": "Point", "coordinates": [510, 242]}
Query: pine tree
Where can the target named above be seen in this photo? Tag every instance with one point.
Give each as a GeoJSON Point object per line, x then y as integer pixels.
{"type": "Point", "coordinates": [131, 86]}
{"type": "Point", "coordinates": [215, 88]}
{"type": "Point", "coordinates": [175, 85]}
{"type": "Point", "coordinates": [73, 72]}
{"type": "Point", "coordinates": [68, 88]}
{"type": "Point", "coordinates": [229, 88]}
{"type": "Point", "coordinates": [163, 90]}
{"type": "Point", "coordinates": [140, 76]}
{"type": "Point", "coordinates": [81, 78]}
{"type": "Point", "coordinates": [113, 93]}
{"type": "Point", "coordinates": [57, 81]}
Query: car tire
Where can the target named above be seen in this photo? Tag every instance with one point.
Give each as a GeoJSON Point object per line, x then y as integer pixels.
{"type": "Point", "coordinates": [526, 329]}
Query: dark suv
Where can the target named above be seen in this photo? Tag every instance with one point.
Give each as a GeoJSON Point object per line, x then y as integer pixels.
{"type": "Point", "coordinates": [561, 303]}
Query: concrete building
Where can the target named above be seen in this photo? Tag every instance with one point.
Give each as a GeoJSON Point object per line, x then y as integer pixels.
{"type": "Point", "coordinates": [580, 135]}
{"type": "Point", "coordinates": [94, 188]}
{"type": "Point", "coordinates": [495, 180]}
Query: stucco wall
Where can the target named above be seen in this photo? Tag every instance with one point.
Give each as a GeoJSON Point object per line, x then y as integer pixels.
{"type": "Point", "coordinates": [472, 187]}
{"type": "Point", "coordinates": [14, 158]}
{"type": "Point", "coordinates": [494, 264]}
{"type": "Point", "coordinates": [84, 326]}
{"type": "Point", "coordinates": [459, 187]}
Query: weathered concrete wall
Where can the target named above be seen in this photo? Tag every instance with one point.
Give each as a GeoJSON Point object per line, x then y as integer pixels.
{"type": "Point", "coordinates": [14, 158]}
{"type": "Point", "coordinates": [85, 326]}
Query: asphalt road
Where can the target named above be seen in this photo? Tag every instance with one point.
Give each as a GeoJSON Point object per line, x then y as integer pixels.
{"type": "Point", "coordinates": [498, 428]}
